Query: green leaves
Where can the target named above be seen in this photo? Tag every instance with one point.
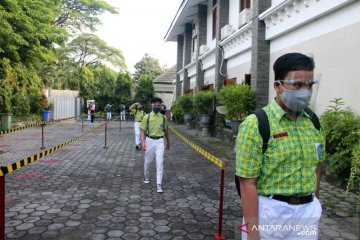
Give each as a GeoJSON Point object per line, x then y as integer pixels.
{"type": "Point", "coordinates": [88, 49]}
{"type": "Point", "coordinates": [238, 99]}
{"type": "Point", "coordinates": [203, 102]}
{"type": "Point", "coordinates": [342, 133]}
{"type": "Point", "coordinates": [145, 91]}
{"type": "Point", "coordinates": [148, 66]}
{"type": "Point", "coordinates": [78, 15]}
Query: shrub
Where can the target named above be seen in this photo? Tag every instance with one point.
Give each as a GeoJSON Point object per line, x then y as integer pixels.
{"type": "Point", "coordinates": [203, 102]}
{"type": "Point", "coordinates": [355, 174]}
{"type": "Point", "coordinates": [342, 135]}
{"type": "Point", "coordinates": [186, 103]}
{"type": "Point", "coordinates": [177, 112]}
{"type": "Point", "coordinates": [238, 99]}
{"type": "Point", "coordinates": [39, 102]}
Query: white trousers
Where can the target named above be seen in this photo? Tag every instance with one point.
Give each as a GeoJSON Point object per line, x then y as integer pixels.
{"type": "Point", "coordinates": [137, 132]}
{"type": "Point", "coordinates": [282, 221]}
{"type": "Point", "coordinates": [122, 115]}
{"type": "Point", "coordinates": [108, 115]}
{"type": "Point", "coordinates": [154, 147]}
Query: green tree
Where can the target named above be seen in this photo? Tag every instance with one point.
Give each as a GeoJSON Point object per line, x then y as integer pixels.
{"type": "Point", "coordinates": [123, 89]}
{"type": "Point", "coordinates": [104, 79]}
{"type": "Point", "coordinates": [77, 15]}
{"type": "Point", "coordinates": [148, 66]}
{"type": "Point", "coordinates": [145, 91]}
{"type": "Point", "coordinates": [88, 49]}
{"type": "Point", "coordinates": [27, 31]}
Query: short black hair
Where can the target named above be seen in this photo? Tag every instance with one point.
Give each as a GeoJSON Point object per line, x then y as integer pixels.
{"type": "Point", "coordinates": [156, 99]}
{"type": "Point", "coordinates": [292, 62]}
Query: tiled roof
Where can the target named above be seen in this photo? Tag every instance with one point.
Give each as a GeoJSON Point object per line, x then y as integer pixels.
{"type": "Point", "coordinates": [167, 77]}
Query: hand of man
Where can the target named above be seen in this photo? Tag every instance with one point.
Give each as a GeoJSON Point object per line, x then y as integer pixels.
{"type": "Point", "coordinates": [143, 147]}
{"type": "Point", "coordinates": [167, 145]}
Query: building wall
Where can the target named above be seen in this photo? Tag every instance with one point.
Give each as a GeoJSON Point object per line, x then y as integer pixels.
{"type": "Point", "coordinates": [209, 76]}
{"type": "Point", "coordinates": [166, 97]}
{"type": "Point", "coordinates": [337, 58]}
{"type": "Point", "coordinates": [233, 13]}
{"type": "Point", "coordinates": [193, 82]}
{"type": "Point", "coordinates": [238, 66]}
{"type": "Point", "coordinates": [211, 43]}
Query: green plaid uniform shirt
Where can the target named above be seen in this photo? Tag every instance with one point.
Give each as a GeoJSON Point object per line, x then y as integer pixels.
{"type": "Point", "coordinates": [288, 167]}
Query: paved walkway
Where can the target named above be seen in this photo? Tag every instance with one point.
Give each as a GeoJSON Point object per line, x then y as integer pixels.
{"type": "Point", "coordinates": [87, 192]}
{"type": "Point", "coordinates": [338, 219]}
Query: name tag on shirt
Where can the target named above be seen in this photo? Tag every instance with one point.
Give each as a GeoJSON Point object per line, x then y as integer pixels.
{"type": "Point", "coordinates": [279, 135]}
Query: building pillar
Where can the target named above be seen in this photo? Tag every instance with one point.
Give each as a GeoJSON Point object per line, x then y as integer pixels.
{"type": "Point", "coordinates": [187, 54]}
{"type": "Point", "coordinates": [201, 24]}
{"type": "Point", "coordinates": [260, 55]}
{"type": "Point", "coordinates": [179, 63]}
{"type": "Point", "coordinates": [222, 19]}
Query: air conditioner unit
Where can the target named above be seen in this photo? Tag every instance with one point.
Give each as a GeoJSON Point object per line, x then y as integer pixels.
{"type": "Point", "coordinates": [244, 16]}
{"type": "Point", "coordinates": [203, 49]}
{"type": "Point", "coordinates": [226, 31]}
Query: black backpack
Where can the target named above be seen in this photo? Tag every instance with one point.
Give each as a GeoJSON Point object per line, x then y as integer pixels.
{"type": "Point", "coordinates": [264, 130]}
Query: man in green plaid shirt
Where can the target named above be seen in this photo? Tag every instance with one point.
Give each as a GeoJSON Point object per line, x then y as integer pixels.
{"type": "Point", "coordinates": [281, 186]}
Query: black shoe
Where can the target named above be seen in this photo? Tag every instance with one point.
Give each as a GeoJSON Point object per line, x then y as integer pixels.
{"type": "Point", "coordinates": [137, 147]}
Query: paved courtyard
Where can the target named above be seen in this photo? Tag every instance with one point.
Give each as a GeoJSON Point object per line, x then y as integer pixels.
{"type": "Point", "coordinates": [85, 191]}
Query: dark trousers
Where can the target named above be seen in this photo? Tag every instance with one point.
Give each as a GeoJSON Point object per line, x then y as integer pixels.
{"type": "Point", "coordinates": [92, 115]}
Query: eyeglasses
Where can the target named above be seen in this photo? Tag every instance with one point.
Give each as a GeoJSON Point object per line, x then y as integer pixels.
{"type": "Point", "coordinates": [298, 85]}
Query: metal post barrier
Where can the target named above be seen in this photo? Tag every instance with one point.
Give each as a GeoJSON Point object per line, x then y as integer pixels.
{"type": "Point", "coordinates": [105, 133]}
{"type": "Point", "coordinates": [120, 122]}
{"type": "Point", "coordinates": [82, 123]}
{"type": "Point", "coordinates": [2, 207]}
{"type": "Point", "coordinates": [42, 136]}
{"type": "Point", "coordinates": [218, 235]}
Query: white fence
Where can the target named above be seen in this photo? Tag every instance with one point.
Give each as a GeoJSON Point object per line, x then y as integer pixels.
{"type": "Point", "coordinates": [65, 107]}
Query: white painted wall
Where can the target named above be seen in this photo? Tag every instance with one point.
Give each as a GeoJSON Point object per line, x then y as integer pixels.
{"type": "Point", "coordinates": [193, 82]}
{"type": "Point", "coordinates": [276, 2]}
{"type": "Point", "coordinates": [238, 66]}
{"type": "Point", "coordinates": [234, 13]}
{"type": "Point", "coordinates": [339, 19]}
{"type": "Point", "coordinates": [337, 59]}
{"type": "Point", "coordinates": [209, 76]}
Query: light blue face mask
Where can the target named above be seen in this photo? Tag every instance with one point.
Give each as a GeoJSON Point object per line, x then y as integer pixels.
{"type": "Point", "coordinates": [296, 100]}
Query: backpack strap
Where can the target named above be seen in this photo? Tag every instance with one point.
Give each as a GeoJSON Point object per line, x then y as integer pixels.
{"type": "Point", "coordinates": [264, 127]}
{"type": "Point", "coordinates": [313, 117]}
{"type": "Point", "coordinates": [147, 125]}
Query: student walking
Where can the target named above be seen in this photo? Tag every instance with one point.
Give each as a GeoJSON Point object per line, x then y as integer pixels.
{"type": "Point", "coordinates": [122, 112]}
{"type": "Point", "coordinates": [278, 155]}
{"type": "Point", "coordinates": [92, 111]}
{"type": "Point", "coordinates": [108, 109]}
{"type": "Point", "coordinates": [154, 127]}
{"type": "Point", "coordinates": [138, 112]}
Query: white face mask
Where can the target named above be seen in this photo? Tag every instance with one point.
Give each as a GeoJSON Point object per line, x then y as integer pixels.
{"type": "Point", "coordinates": [296, 100]}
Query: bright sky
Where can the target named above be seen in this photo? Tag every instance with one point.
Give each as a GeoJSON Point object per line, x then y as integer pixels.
{"type": "Point", "coordinates": [140, 28]}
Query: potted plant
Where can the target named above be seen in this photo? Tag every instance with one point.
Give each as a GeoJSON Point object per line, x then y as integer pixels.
{"type": "Point", "coordinates": [186, 104]}
{"type": "Point", "coordinates": [177, 112]}
{"type": "Point", "coordinates": [203, 106]}
{"type": "Point", "coordinates": [239, 101]}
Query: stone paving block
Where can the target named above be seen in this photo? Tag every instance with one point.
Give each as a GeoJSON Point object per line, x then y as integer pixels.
{"type": "Point", "coordinates": [98, 193]}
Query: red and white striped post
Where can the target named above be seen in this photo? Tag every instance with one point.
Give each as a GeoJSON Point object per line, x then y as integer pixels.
{"type": "Point", "coordinates": [2, 207]}
{"type": "Point", "coordinates": [218, 235]}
